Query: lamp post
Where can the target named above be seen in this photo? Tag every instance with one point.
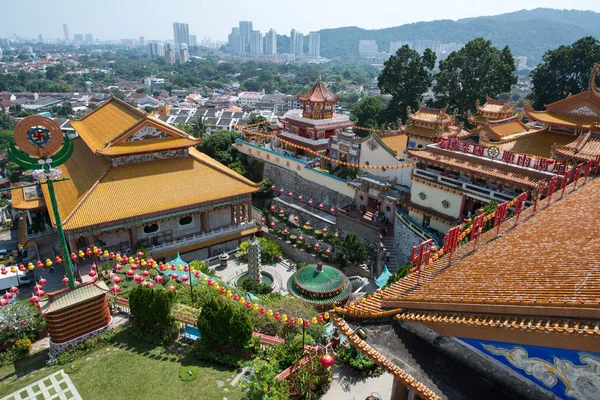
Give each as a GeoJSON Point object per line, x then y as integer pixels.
{"type": "Point", "coordinates": [42, 147]}
{"type": "Point", "coordinates": [191, 285]}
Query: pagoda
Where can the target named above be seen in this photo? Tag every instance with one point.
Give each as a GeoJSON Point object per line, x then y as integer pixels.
{"type": "Point", "coordinates": [311, 127]}
{"type": "Point", "coordinates": [492, 110]}
{"type": "Point", "coordinates": [321, 285]}
{"type": "Point", "coordinates": [428, 125]}
{"type": "Point", "coordinates": [254, 260]}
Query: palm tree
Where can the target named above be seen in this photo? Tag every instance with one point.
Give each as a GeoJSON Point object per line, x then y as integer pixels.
{"type": "Point", "coordinates": [199, 128]}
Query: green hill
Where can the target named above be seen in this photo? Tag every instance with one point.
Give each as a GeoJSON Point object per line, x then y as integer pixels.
{"type": "Point", "coordinates": [526, 32]}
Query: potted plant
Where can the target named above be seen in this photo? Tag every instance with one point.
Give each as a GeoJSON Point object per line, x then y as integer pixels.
{"type": "Point", "coordinates": [293, 239]}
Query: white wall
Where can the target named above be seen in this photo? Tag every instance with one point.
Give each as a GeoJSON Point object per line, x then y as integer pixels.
{"type": "Point", "coordinates": [114, 239]}
{"type": "Point", "coordinates": [220, 218]}
{"type": "Point", "coordinates": [434, 199]}
{"type": "Point", "coordinates": [173, 225]}
{"type": "Point", "coordinates": [380, 156]}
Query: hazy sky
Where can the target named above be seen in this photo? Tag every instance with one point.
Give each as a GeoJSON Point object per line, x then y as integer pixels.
{"type": "Point", "coordinates": [115, 19]}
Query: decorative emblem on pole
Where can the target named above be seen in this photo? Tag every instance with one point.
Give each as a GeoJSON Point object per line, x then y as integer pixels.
{"type": "Point", "coordinates": [493, 152]}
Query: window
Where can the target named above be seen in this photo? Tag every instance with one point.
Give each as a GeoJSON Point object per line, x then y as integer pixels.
{"type": "Point", "coordinates": [445, 203]}
{"type": "Point", "coordinates": [185, 220]}
{"type": "Point", "coordinates": [422, 195]}
{"type": "Point", "coordinates": [388, 208]}
{"type": "Point", "coordinates": [148, 229]}
{"type": "Point", "coordinates": [420, 146]}
{"type": "Point", "coordinates": [361, 197]}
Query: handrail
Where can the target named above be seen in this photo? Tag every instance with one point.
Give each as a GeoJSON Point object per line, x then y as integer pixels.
{"type": "Point", "coordinates": [203, 236]}
{"type": "Point", "coordinates": [423, 232]}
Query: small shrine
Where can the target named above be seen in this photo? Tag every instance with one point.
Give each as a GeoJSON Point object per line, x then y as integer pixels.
{"type": "Point", "coordinates": [74, 315]}
{"type": "Point", "coordinates": [322, 285]}
{"type": "Point", "coordinates": [254, 260]}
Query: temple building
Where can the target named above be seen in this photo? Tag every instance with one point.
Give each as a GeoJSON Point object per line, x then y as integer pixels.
{"type": "Point", "coordinates": [313, 125]}
{"type": "Point", "coordinates": [321, 285]}
{"type": "Point", "coordinates": [492, 110]}
{"type": "Point", "coordinates": [428, 125]}
{"type": "Point", "coordinates": [454, 178]}
{"type": "Point", "coordinates": [134, 180]}
{"type": "Point", "coordinates": [519, 309]}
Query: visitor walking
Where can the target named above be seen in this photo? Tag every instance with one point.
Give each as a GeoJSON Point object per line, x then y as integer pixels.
{"type": "Point", "coordinates": [387, 256]}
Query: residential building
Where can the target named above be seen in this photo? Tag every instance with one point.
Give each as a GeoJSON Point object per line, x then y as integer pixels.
{"type": "Point", "coordinates": [233, 39]}
{"type": "Point", "coordinates": [120, 149]}
{"type": "Point", "coordinates": [271, 42]}
{"type": "Point", "coordinates": [40, 38]}
{"type": "Point", "coordinates": [299, 45]}
{"type": "Point", "coordinates": [181, 34]}
{"type": "Point", "coordinates": [421, 45]}
{"type": "Point", "coordinates": [293, 34]}
{"type": "Point", "coordinates": [156, 50]}
{"type": "Point", "coordinates": [66, 32]}
{"type": "Point", "coordinates": [89, 38]}
{"type": "Point", "coordinates": [184, 56]}
{"type": "Point", "coordinates": [394, 46]}
{"type": "Point", "coordinates": [141, 41]}
{"type": "Point", "coordinates": [245, 30]}
{"type": "Point", "coordinates": [367, 48]}
{"type": "Point", "coordinates": [169, 54]}
{"type": "Point", "coordinates": [78, 38]}
{"type": "Point", "coordinates": [250, 98]}
{"type": "Point", "coordinates": [314, 44]}
{"type": "Point", "coordinates": [154, 83]}
{"type": "Point", "coordinates": [256, 42]}
{"type": "Point", "coordinates": [521, 62]}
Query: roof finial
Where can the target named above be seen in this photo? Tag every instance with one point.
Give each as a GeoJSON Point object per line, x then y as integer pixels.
{"type": "Point", "coordinates": [592, 84]}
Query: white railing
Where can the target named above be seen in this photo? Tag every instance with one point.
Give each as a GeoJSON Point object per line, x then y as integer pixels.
{"type": "Point", "coordinates": [201, 237]}
{"type": "Point", "coordinates": [303, 139]}
{"type": "Point", "coordinates": [36, 235]}
{"type": "Point", "coordinates": [467, 187]}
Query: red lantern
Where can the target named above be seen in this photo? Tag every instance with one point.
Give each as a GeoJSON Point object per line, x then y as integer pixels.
{"type": "Point", "coordinates": [65, 281]}
{"type": "Point", "coordinates": [3, 271]}
{"type": "Point", "coordinates": [291, 321]}
{"type": "Point", "coordinates": [248, 305]}
{"type": "Point", "coordinates": [173, 267]}
{"type": "Point", "coordinates": [40, 265]}
{"type": "Point", "coordinates": [22, 268]}
{"type": "Point", "coordinates": [42, 281]}
{"type": "Point", "coordinates": [317, 246]}
{"type": "Point", "coordinates": [136, 261]}
{"type": "Point", "coordinates": [261, 310]}
{"type": "Point", "coordinates": [300, 198]}
{"type": "Point", "coordinates": [115, 289]}
{"type": "Point", "coordinates": [111, 255]}
{"type": "Point", "coordinates": [140, 254]}
{"type": "Point", "coordinates": [300, 239]}
{"type": "Point", "coordinates": [296, 219]}
{"type": "Point", "coordinates": [88, 252]}
{"type": "Point", "coordinates": [172, 288]}
{"type": "Point", "coordinates": [273, 187]}
{"type": "Point", "coordinates": [40, 293]}
{"type": "Point", "coordinates": [285, 231]}
{"type": "Point", "coordinates": [306, 323]}
{"type": "Point", "coordinates": [210, 282]}
{"type": "Point", "coordinates": [222, 290]}
{"type": "Point", "coordinates": [134, 266]}
{"type": "Point", "coordinates": [184, 278]}
{"type": "Point", "coordinates": [277, 315]}
{"type": "Point", "coordinates": [320, 318]}
{"type": "Point", "coordinates": [117, 279]}
{"type": "Point", "coordinates": [272, 225]}
{"type": "Point", "coordinates": [281, 212]}
{"type": "Point", "coordinates": [325, 230]}
{"type": "Point", "coordinates": [158, 279]}
{"type": "Point", "coordinates": [281, 191]}
{"type": "Point", "coordinates": [58, 260]}
{"type": "Point", "coordinates": [197, 274]}
{"type": "Point", "coordinates": [310, 202]}
{"type": "Point", "coordinates": [34, 299]}
{"type": "Point", "coordinates": [290, 195]}
{"type": "Point", "coordinates": [272, 208]}
{"type": "Point", "coordinates": [174, 276]}
{"type": "Point", "coordinates": [138, 278]}
{"type": "Point", "coordinates": [129, 273]}
{"type": "Point", "coordinates": [94, 267]}
{"type": "Point", "coordinates": [146, 273]}
{"type": "Point", "coordinates": [307, 223]}
{"type": "Point", "coordinates": [326, 360]}
{"type": "Point", "coordinates": [236, 297]}
{"type": "Point", "coordinates": [73, 256]}
{"type": "Point", "coordinates": [332, 210]}
{"type": "Point", "coordinates": [328, 252]}
{"type": "Point", "coordinates": [118, 267]}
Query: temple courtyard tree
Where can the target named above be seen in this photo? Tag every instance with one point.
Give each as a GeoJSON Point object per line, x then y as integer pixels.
{"type": "Point", "coordinates": [406, 76]}
{"type": "Point", "coordinates": [563, 71]}
{"type": "Point", "coordinates": [367, 113]}
{"type": "Point", "coordinates": [470, 73]}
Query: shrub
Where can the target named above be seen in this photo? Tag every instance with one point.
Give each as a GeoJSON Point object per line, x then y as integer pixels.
{"type": "Point", "coordinates": [355, 359]}
{"type": "Point", "coordinates": [22, 348]}
{"type": "Point", "coordinates": [263, 384]}
{"type": "Point", "coordinates": [204, 351]}
{"type": "Point", "coordinates": [254, 287]}
{"type": "Point", "coordinates": [202, 266]}
{"type": "Point", "coordinates": [189, 373]}
{"type": "Point", "coordinates": [269, 250]}
{"type": "Point", "coordinates": [150, 335]}
{"type": "Point", "coordinates": [318, 233]}
{"type": "Point", "coordinates": [224, 323]}
{"type": "Point", "coordinates": [310, 381]}
{"type": "Point", "coordinates": [152, 307]}
{"type": "Point", "coordinates": [293, 238]}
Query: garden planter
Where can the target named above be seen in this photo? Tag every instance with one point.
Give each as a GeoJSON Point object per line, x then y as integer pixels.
{"type": "Point", "coordinates": [41, 334]}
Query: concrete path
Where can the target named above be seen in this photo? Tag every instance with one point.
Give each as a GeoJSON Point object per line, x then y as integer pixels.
{"type": "Point", "coordinates": [57, 386]}
{"type": "Point", "coordinates": [348, 385]}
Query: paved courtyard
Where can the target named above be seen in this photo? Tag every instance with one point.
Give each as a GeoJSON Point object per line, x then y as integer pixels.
{"type": "Point", "coordinates": [350, 386]}
{"type": "Point", "coordinates": [57, 386]}
{"type": "Point", "coordinates": [280, 271]}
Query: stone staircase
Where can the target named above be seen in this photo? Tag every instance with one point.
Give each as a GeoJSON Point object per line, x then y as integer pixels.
{"type": "Point", "coordinates": [404, 240]}
{"type": "Point", "coordinates": [390, 246]}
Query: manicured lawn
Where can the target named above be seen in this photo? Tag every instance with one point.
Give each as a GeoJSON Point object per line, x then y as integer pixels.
{"type": "Point", "coordinates": [138, 371]}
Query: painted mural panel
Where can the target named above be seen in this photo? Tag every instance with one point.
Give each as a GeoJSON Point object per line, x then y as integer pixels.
{"type": "Point", "coordinates": [147, 132]}
{"type": "Point", "coordinates": [569, 374]}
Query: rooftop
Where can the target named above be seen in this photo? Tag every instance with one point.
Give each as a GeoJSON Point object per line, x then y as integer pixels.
{"type": "Point", "coordinates": [319, 94]}
{"type": "Point", "coordinates": [585, 147]}
{"type": "Point", "coordinates": [536, 143]}
{"type": "Point", "coordinates": [67, 297]}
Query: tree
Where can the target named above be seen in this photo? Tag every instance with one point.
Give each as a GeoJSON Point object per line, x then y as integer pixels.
{"type": "Point", "coordinates": [406, 76]}
{"type": "Point", "coordinates": [149, 109]}
{"type": "Point", "coordinates": [6, 139]}
{"type": "Point", "coordinates": [224, 323]}
{"type": "Point", "coordinates": [564, 70]}
{"type": "Point", "coordinates": [219, 142]}
{"type": "Point", "coordinates": [354, 249]}
{"type": "Point", "coordinates": [470, 73]}
{"type": "Point", "coordinates": [367, 112]}
{"type": "Point", "coordinates": [118, 94]}
{"type": "Point", "coordinates": [6, 122]}
{"type": "Point", "coordinates": [256, 119]}
{"type": "Point", "coordinates": [152, 307]}
{"type": "Point", "coordinates": [199, 128]}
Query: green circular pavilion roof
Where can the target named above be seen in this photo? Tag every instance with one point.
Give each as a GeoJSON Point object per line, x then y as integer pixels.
{"type": "Point", "coordinates": [319, 287]}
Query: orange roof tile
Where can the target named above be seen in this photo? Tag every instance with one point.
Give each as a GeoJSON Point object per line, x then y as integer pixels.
{"type": "Point", "coordinates": [318, 94]}
{"type": "Point", "coordinates": [536, 143]}
{"type": "Point", "coordinates": [525, 267]}
{"type": "Point", "coordinates": [396, 143]}
{"type": "Point", "coordinates": [491, 169]}
{"type": "Point", "coordinates": [27, 199]}
{"type": "Point", "coordinates": [585, 147]}
{"type": "Point", "coordinates": [500, 129]}
{"type": "Point", "coordinates": [92, 194]}
{"type": "Point", "coordinates": [495, 106]}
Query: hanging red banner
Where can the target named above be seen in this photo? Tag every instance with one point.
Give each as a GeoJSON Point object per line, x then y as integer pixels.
{"type": "Point", "coordinates": [551, 188]}
{"type": "Point", "coordinates": [500, 216]}
{"type": "Point", "coordinates": [588, 169]}
{"type": "Point", "coordinates": [451, 241]}
{"type": "Point", "coordinates": [520, 205]}
{"type": "Point", "coordinates": [477, 228]}
{"type": "Point", "coordinates": [565, 181]}
{"type": "Point", "coordinates": [420, 255]}
{"type": "Point", "coordinates": [577, 175]}
{"type": "Point", "coordinates": [596, 164]}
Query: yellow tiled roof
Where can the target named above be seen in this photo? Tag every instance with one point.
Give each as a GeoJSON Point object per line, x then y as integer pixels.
{"type": "Point", "coordinates": [575, 120]}
{"type": "Point", "coordinates": [537, 143]}
{"type": "Point", "coordinates": [106, 123]}
{"type": "Point", "coordinates": [395, 142]}
{"type": "Point", "coordinates": [19, 202]}
{"type": "Point", "coordinates": [420, 131]}
{"type": "Point", "coordinates": [148, 145]}
{"type": "Point", "coordinates": [498, 130]}
{"type": "Point", "coordinates": [105, 130]}
{"type": "Point", "coordinates": [101, 195]}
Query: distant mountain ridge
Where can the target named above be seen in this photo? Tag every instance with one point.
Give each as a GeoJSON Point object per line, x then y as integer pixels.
{"type": "Point", "coordinates": [527, 32]}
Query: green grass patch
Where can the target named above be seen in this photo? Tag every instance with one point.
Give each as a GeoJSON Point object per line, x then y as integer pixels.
{"type": "Point", "coordinates": [63, 386]}
{"type": "Point", "coordinates": [71, 368]}
{"type": "Point", "coordinates": [188, 373]}
{"type": "Point", "coordinates": [52, 391]}
{"type": "Point", "coordinates": [24, 394]}
{"type": "Point", "coordinates": [35, 388]}
{"type": "Point", "coordinates": [47, 383]}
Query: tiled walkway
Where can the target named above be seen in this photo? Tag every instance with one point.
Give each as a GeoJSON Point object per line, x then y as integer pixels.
{"type": "Point", "coordinates": [53, 387]}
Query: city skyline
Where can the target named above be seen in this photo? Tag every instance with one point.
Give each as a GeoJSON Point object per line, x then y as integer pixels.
{"type": "Point", "coordinates": [200, 16]}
